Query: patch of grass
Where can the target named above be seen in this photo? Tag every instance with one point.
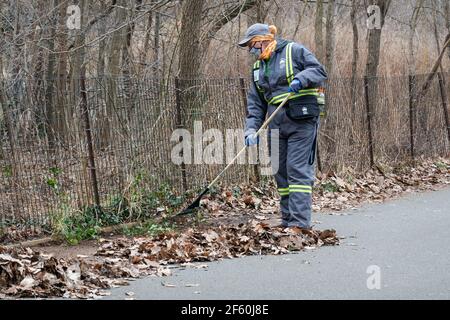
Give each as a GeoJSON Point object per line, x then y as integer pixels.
{"type": "Point", "coordinates": [142, 203]}
{"type": "Point", "coordinates": [237, 192]}
{"type": "Point", "coordinates": [214, 191]}
{"type": "Point", "coordinates": [350, 179]}
{"type": "Point", "coordinates": [81, 227]}
{"type": "Point", "coordinates": [148, 228]}
{"type": "Point", "coordinates": [199, 218]}
{"type": "Point", "coordinates": [329, 186]}
{"type": "Point", "coordinates": [76, 225]}
{"type": "Point", "coordinates": [441, 165]}
{"type": "Point", "coordinates": [136, 203]}
{"type": "Point", "coordinates": [7, 171]}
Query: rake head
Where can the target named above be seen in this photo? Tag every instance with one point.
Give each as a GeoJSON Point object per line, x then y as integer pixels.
{"type": "Point", "coordinates": [194, 205]}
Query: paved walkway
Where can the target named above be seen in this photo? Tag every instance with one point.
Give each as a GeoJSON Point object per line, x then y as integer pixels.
{"type": "Point", "coordinates": [406, 241]}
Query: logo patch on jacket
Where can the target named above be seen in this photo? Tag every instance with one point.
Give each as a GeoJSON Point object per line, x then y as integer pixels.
{"type": "Point", "coordinates": [256, 75]}
{"type": "Point", "coordinates": [282, 62]}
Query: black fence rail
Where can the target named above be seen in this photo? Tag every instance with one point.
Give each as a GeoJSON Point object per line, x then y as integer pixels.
{"type": "Point", "coordinates": [109, 143]}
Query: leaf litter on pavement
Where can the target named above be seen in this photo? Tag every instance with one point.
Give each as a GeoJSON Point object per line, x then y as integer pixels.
{"type": "Point", "coordinates": [28, 273]}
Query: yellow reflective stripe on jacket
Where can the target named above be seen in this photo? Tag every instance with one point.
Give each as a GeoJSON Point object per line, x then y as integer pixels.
{"type": "Point", "coordinates": [283, 191]}
{"type": "Point", "coordinates": [289, 65]}
{"type": "Point", "coordinates": [305, 92]}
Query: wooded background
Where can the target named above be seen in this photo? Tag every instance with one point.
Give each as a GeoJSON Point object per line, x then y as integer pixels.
{"type": "Point", "coordinates": [189, 39]}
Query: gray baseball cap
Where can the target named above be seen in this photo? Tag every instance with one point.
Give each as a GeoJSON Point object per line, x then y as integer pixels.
{"type": "Point", "coordinates": [257, 29]}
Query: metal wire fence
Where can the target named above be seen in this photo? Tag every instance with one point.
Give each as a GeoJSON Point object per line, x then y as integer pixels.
{"type": "Point", "coordinates": [67, 145]}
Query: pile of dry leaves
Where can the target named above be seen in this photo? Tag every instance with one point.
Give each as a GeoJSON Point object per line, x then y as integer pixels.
{"type": "Point", "coordinates": [28, 273]}
{"type": "Point", "coordinates": [376, 185]}
{"type": "Point", "coordinates": [332, 191]}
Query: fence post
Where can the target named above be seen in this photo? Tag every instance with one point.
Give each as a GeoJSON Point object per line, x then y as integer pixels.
{"type": "Point", "coordinates": [179, 123]}
{"type": "Point", "coordinates": [442, 86]}
{"type": "Point", "coordinates": [412, 93]}
{"type": "Point", "coordinates": [244, 103]}
{"type": "Point", "coordinates": [87, 127]}
{"type": "Point", "coordinates": [369, 119]}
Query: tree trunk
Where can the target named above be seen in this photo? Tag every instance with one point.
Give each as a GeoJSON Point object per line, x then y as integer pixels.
{"type": "Point", "coordinates": [441, 75]}
{"type": "Point", "coordinates": [373, 53]}
{"type": "Point", "coordinates": [190, 46]}
{"type": "Point", "coordinates": [127, 58]}
{"type": "Point", "coordinates": [330, 37]}
{"type": "Point", "coordinates": [103, 80]}
{"type": "Point", "coordinates": [117, 41]}
{"type": "Point", "coordinates": [355, 53]}
{"type": "Point", "coordinates": [156, 64]}
{"type": "Point", "coordinates": [37, 65]}
{"type": "Point", "coordinates": [114, 73]}
{"type": "Point", "coordinates": [3, 115]}
{"type": "Point", "coordinates": [101, 46]}
{"type": "Point", "coordinates": [146, 47]}
{"type": "Point", "coordinates": [412, 31]}
{"type": "Point", "coordinates": [190, 57]}
{"type": "Point", "coordinates": [64, 111]}
{"type": "Point", "coordinates": [50, 116]}
{"type": "Point", "coordinates": [318, 30]}
{"type": "Point", "coordinates": [447, 15]}
{"type": "Point", "coordinates": [373, 58]}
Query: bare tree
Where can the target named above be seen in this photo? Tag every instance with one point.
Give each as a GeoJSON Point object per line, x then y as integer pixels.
{"type": "Point", "coordinates": [412, 30]}
{"type": "Point", "coordinates": [447, 19]}
{"type": "Point", "coordinates": [330, 37]}
{"type": "Point", "coordinates": [355, 53]}
{"type": "Point", "coordinates": [258, 13]}
{"type": "Point", "coordinates": [101, 45]}
{"type": "Point", "coordinates": [190, 45]}
{"type": "Point", "coordinates": [50, 121]}
{"type": "Point", "coordinates": [373, 52]}
{"type": "Point", "coordinates": [318, 30]}
{"type": "Point", "coordinates": [301, 14]}
{"type": "Point", "coordinates": [441, 74]}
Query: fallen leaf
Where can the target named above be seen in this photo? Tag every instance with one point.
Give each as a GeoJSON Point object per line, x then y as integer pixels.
{"type": "Point", "coordinates": [164, 284]}
{"type": "Point", "coordinates": [28, 282]}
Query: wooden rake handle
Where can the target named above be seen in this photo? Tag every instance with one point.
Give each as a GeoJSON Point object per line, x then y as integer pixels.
{"type": "Point", "coordinates": [264, 125]}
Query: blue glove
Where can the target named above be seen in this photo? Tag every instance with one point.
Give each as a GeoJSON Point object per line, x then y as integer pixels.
{"type": "Point", "coordinates": [251, 140]}
{"type": "Point", "coordinates": [296, 86]}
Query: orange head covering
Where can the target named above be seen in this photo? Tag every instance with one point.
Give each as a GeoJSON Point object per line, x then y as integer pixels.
{"type": "Point", "coordinates": [267, 37]}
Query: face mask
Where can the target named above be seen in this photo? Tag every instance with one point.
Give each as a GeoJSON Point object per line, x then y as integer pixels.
{"type": "Point", "coordinates": [256, 52]}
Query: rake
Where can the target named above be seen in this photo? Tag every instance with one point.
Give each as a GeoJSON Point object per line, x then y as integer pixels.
{"type": "Point", "coordinates": [196, 203]}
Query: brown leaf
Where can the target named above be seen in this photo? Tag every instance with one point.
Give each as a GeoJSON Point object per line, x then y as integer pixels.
{"type": "Point", "coordinates": [28, 282]}
{"type": "Point", "coordinates": [168, 285]}
{"type": "Point", "coordinates": [191, 285]}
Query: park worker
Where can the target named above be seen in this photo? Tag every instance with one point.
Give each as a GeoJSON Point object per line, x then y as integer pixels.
{"type": "Point", "coordinates": [284, 67]}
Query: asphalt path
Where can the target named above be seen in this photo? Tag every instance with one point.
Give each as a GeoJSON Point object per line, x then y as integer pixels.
{"type": "Point", "coordinates": [395, 250]}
